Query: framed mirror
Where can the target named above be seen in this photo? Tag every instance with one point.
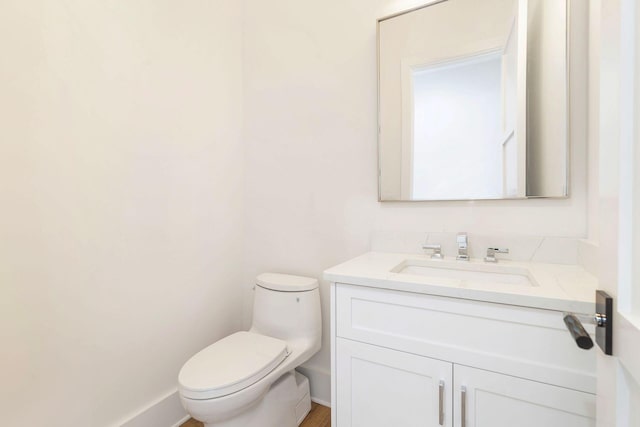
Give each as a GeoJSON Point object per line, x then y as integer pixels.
{"type": "Point", "coordinates": [473, 101]}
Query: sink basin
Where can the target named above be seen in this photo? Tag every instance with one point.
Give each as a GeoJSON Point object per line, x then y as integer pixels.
{"type": "Point", "coordinates": [466, 272]}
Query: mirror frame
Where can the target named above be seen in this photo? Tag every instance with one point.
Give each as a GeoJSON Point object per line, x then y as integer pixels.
{"type": "Point", "coordinates": [567, 183]}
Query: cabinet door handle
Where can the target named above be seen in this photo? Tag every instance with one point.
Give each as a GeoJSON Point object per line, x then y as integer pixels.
{"type": "Point", "coordinates": [441, 403]}
{"type": "Point", "coordinates": [463, 406]}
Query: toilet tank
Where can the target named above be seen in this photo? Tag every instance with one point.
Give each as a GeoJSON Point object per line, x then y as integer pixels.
{"type": "Point", "coordinates": [287, 307]}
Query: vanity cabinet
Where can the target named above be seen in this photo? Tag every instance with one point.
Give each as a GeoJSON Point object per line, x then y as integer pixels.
{"type": "Point", "coordinates": [405, 359]}
{"type": "Point", "coordinates": [487, 398]}
{"type": "Point", "coordinates": [379, 387]}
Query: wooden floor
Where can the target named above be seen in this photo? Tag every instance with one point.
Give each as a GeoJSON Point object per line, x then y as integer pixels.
{"type": "Point", "coordinates": [319, 416]}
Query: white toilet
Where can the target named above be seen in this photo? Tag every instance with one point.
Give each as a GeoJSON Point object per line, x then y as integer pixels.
{"type": "Point", "coordinates": [247, 379]}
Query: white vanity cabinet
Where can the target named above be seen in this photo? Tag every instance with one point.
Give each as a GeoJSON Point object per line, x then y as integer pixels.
{"type": "Point", "coordinates": [406, 359]}
{"type": "Point", "coordinates": [379, 387]}
{"type": "Point", "coordinates": [487, 398]}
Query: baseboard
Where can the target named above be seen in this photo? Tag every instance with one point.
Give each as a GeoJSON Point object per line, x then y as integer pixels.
{"type": "Point", "coordinates": [166, 412]}
{"type": "Point", "coordinates": [321, 402]}
{"type": "Point", "coordinates": [182, 421]}
{"type": "Point", "coordinates": [319, 382]}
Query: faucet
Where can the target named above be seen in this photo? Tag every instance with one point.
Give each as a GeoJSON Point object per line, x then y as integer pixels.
{"type": "Point", "coordinates": [437, 250]}
{"type": "Point", "coordinates": [463, 254]}
{"type": "Point", "coordinates": [491, 254]}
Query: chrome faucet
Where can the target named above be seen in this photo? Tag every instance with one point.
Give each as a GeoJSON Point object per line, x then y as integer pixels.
{"type": "Point", "coordinates": [463, 254]}
{"type": "Point", "coordinates": [491, 254]}
{"type": "Point", "coordinates": [437, 251]}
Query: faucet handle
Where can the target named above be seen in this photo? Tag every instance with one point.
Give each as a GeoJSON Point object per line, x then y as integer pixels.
{"type": "Point", "coordinates": [491, 254]}
{"type": "Point", "coordinates": [463, 246]}
{"type": "Point", "coordinates": [462, 240]}
{"type": "Point", "coordinates": [437, 250]}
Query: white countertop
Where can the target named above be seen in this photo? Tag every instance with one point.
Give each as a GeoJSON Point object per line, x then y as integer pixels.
{"type": "Point", "coordinates": [557, 287]}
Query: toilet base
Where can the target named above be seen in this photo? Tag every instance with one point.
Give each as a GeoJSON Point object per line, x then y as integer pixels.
{"type": "Point", "coordinates": [286, 404]}
{"type": "Point", "coordinates": [304, 397]}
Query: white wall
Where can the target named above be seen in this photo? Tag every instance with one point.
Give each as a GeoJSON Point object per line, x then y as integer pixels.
{"type": "Point", "coordinates": [121, 198]}
{"type": "Point", "coordinates": [122, 189]}
{"type": "Point", "coordinates": [310, 133]}
{"type": "Point", "coordinates": [595, 7]}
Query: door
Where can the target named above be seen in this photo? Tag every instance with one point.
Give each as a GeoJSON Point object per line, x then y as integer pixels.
{"type": "Point", "coordinates": [483, 398]}
{"type": "Point", "coordinates": [618, 23]}
{"type": "Point", "coordinates": [379, 387]}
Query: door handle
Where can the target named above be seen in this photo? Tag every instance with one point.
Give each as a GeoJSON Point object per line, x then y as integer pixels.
{"type": "Point", "coordinates": [577, 331]}
{"type": "Point", "coordinates": [603, 319]}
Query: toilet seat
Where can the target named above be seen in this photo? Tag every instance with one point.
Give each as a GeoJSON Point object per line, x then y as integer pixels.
{"type": "Point", "coordinates": [231, 364]}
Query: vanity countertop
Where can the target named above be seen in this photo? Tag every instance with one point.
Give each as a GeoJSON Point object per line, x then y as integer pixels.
{"type": "Point", "coordinates": [557, 287]}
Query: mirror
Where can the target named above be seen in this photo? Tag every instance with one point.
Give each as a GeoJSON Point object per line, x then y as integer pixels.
{"type": "Point", "coordinates": [473, 101]}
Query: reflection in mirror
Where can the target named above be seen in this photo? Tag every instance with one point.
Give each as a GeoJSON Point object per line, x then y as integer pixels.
{"type": "Point", "coordinates": [442, 94]}
{"type": "Point", "coordinates": [473, 101]}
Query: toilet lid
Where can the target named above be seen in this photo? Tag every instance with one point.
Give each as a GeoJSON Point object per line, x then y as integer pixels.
{"type": "Point", "coordinates": [231, 364]}
{"type": "Point", "coordinates": [286, 282]}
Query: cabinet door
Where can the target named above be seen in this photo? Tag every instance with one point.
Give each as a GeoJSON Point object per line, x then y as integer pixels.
{"type": "Point", "coordinates": [488, 399]}
{"type": "Point", "coordinates": [378, 387]}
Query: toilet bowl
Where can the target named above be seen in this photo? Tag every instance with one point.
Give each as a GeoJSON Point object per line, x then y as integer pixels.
{"type": "Point", "coordinates": [247, 378]}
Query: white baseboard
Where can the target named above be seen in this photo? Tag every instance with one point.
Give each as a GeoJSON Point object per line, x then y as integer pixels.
{"type": "Point", "coordinates": [319, 382]}
{"type": "Point", "coordinates": [182, 421]}
{"type": "Point", "coordinates": [321, 402]}
{"type": "Point", "coordinates": [166, 412]}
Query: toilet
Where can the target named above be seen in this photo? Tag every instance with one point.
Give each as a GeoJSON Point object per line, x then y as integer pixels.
{"type": "Point", "coordinates": [248, 378]}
